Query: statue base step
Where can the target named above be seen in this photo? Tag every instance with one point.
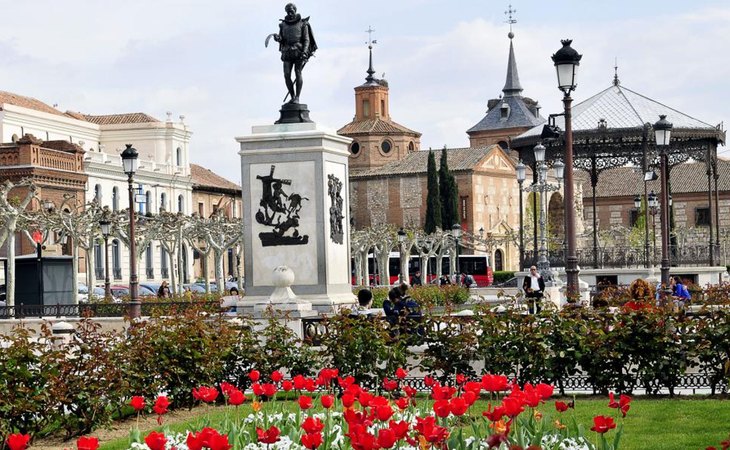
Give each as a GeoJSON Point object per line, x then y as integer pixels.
{"type": "Point", "coordinates": [293, 113]}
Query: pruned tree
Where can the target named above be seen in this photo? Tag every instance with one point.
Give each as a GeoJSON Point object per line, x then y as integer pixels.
{"type": "Point", "coordinates": [170, 230]}
{"type": "Point", "coordinates": [222, 233]}
{"type": "Point", "coordinates": [144, 229]}
{"type": "Point", "coordinates": [384, 238]}
{"type": "Point", "coordinates": [10, 212]}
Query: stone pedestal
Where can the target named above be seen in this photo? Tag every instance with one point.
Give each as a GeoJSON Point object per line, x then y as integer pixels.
{"type": "Point", "coordinates": [293, 113]}
{"type": "Point", "coordinates": [296, 214]}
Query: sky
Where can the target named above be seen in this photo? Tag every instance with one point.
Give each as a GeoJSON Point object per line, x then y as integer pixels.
{"type": "Point", "coordinates": [205, 59]}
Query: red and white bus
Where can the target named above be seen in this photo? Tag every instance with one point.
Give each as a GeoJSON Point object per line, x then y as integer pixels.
{"type": "Point", "coordinates": [475, 265]}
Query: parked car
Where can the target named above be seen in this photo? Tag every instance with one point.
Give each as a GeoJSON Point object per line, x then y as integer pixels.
{"type": "Point", "coordinates": [120, 291]}
{"type": "Point", "coordinates": [150, 288]}
{"type": "Point", "coordinates": [512, 283]}
{"type": "Point", "coordinates": [231, 287]}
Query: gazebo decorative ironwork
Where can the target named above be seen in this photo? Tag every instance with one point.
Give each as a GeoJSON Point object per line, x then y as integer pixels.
{"type": "Point", "coordinates": [614, 129]}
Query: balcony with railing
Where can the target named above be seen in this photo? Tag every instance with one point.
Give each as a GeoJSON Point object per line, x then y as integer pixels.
{"type": "Point", "coordinates": [150, 272]}
{"type": "Point", "coordinates": [117, 273]}
{"type": "Point", "coordinates": [165, 272]}
{"type": "Point", "coordinates": [99, 272]}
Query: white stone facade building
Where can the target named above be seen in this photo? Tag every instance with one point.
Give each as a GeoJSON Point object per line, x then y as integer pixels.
{"type": "Point", "coordinates": [163, 173]}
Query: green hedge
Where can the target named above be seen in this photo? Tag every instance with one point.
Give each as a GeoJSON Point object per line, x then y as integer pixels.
{"type": "Point", "coordinates": [502, 276]}
{"type": "Point", "coordinates": [430, 295]}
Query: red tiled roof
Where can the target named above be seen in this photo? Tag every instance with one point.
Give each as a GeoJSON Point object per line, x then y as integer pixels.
{"type": "Point", "coordinates": [27, 102]}
{"type": "Point", "coordinates": [118, 119]}
{"type": "Point", "coordinates": [203, 177]}
{"type": "Point", "coordinates": [376, 126]}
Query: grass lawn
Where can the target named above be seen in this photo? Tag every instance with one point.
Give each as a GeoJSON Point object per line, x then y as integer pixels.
{"type": "Point", "coordinates": [666, 424]}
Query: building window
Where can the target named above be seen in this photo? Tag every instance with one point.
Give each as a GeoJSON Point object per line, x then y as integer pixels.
{"type": "Point", "coordinates": [366, 108]}
{"type": "Point", "coordinates": [633, 217]}
{"type": "Point", "coordinates": [164, 256]}
{"type": "Point", "coordinates": [163, 202]}
{"type": "Point", "coordinates": [99, 262]}
{"type": "Point", "coordinates": [702, 217]}
{"type": "Point", "coordinates": [178, 156]}
{"type": "Point", "coordinates": [386, 146]}
{"type": "Point", "coordinates": [355, 148]}
{"type": "Point", "coordinates": [382, 108]}
{"type": "Point", "coordinates": [233, 208]}
{"type": "Point", "coordinates": [148, 201]}
{"type": "Point", "coordinates": [498, 260]}
{"type": "Point", "coordinates": [464, 208]}
{"type": "Point", "coordinates": [97, 193]}
{"type": "Point", "coordinates": [149, 262]}
{"type": "Point", "coordinates": [180, 203]}
{"type": "Point", "coordinates": [115, 199]}
{"type": "Point", "coordinates": [411, 147]}
{"type": "Point", "coordinates": [116, 260]}
{"type": "Point", "coordinates": [215, 210]}
{"type": "Point", "coordinates": [201, 209]}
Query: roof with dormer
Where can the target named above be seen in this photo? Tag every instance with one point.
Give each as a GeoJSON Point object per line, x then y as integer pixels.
{"type": "Point", "coordinates": [518, 113]}
{"type": "Point", "coordinates": [119, 119]}
{"type": "Point", "coordinates": [459, 160]}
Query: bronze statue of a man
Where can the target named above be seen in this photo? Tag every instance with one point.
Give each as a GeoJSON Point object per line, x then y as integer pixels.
{"type": "Point", "coordinates": [296, 44]}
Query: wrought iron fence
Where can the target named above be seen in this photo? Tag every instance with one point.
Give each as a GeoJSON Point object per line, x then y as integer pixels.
{"type": "Point", "coordinates": [22, 311]}
{"type": "Point", "coordinates": [99, 272]}
{"type": "Point", "coordinates": [150, 273]}
{"type": "Point", "coordinates": [631, 257]}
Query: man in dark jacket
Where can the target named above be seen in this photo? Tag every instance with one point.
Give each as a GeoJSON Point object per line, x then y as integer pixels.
{"type": "Point", "coordinates": [534, 287]}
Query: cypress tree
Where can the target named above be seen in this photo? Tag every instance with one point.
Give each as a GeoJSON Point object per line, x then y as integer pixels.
{"type": "Point", "coordinates": [449, 194]}
{"type": "Point", "coordinates": [433, 199]}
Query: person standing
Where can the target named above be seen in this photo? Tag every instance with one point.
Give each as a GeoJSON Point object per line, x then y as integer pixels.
{"type": "Point", "coordinates": [534, 287]}
{"type": "Point", "coordinates": [416, 280]}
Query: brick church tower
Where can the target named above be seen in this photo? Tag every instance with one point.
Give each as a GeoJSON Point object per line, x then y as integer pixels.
{"type": "Point", "coordinates": [377, 140]}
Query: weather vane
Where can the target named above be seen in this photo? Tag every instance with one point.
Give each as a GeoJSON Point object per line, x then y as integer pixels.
{"type": "Point", "coordinates": [510, 18]}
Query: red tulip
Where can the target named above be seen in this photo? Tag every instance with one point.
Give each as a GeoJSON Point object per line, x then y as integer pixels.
{"type": "Point", "coordinates": [494, 383]}
{"type": "Point", "coordinates": [219, 442]}
{"type": "Point", "coordinates": [226, 388]}
{"type": "Point", "coordinates": [305, 402]}
{"type": "Point", "coordinates": [561, 406]}
{"type": "Point", "coordinates": [137, 403]}
{"type": "Point", "coordinates": [545, 390]}
{"type": "Point", "coordinates": [458, 406]}
{"type": "Point", "coordinates": [428, 381]}
{"type": "Point", "coordinates": [433, 433]}
{"type": "Point", "coordinates": [299, 382]}
{"type": "Point", "coordinates": [269, 389]}
{"type": "Point", "coordinates": [254, 375]}
{"type": "Point", "coordinates": [156, 441]}
{"type": "Point", "coordinates": [276, 376]}
{"type": "Point", "coordinates": [87, 443]}
{"type": "Point", "coordinates": [383, 412]}
{"type": "Point", "coordinates": [401, 373]}
{"type": "Point", "coordinates": [236, 397]}
{"type": "Point", "coordinates": [348, 400]}
{"type": "Point", "coordinates": [205, 394]}
{"type": "Point", "coordinates": [602, 424]}
{"type": "Point", "coordinates": [386, 438]}
{"type": "Point", "coordinates": [390, 385]}
{"type": "Point", "coordinates": [470, 397]}
{"type": "Point", "coordinates": [195, 441]}
{"type": "Point", "coordinates": [327, 401]}
{"type": "Point", "coordinates": [399, 428]}
{"type": "Point", "coordinates": [494, 415]}
{"type": "Point", "coordinates": [512, 406]}
{"type": "Point", "coordinates": [18, 441]}
{"type": "Point", "coordinates": [441, 408]}
{"type": "Point", "coordinates": [287, 385]}
{"type": "Point", "coordinates": [410, 391]}
{"type": "Point", "coordinates": [312, 425]}
{"type": "Point", "coordinates": [312, 441]}
{"type": "Point", "coordinates": [161, 404]}
{"type": "Point", "coordinates": [269, 436]}
{"type": "Point", "coordinates": [402, 402]}
{"type": "Point", "coordinates": [460, 378]}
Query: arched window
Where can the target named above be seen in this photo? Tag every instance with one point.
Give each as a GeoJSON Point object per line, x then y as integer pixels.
{"type": "Point", "coordinates": [115, 199]}
{"type": "Point", "coordinates": [178, 156]}
{"type": "Point", "coordinates": [164, 260]}
{"type": "Point", "coordinates": [97, 193]}
{"type": "Point", "coordinates": [149, 263]}
{"type": "Point", "coordinates": [180, 204]}
{"type": "Point", "coordinates": [411, 147]}
{"type": "Point", "coordinates": [98, 262]}
{"type": "Point", "coordinates": [498, 260]}
{"type": "Point", "coordinates": [163, 202]}
{"type": "Point", "coordinates": [116, 260]}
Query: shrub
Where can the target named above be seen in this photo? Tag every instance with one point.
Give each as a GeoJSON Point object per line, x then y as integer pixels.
{"type": "Point", "coordinates": [501, 276]}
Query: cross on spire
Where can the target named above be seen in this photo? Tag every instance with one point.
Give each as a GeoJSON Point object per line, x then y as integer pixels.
{"type": "Point", "coordinates": [616, 81]}
{"type": "Point", "coordinates": [510, 18]}
{"type": "Point", "coordinates": [370, 41]}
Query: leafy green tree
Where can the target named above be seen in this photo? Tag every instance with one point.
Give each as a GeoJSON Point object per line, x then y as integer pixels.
{"type": "Point", "coordinates": [433, 199]}
{"type": "Point", "coordinates": [449, 194]}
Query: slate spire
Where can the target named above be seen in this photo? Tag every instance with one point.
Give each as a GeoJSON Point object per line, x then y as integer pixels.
{"type": "Point", "coordinates": [512, 87]}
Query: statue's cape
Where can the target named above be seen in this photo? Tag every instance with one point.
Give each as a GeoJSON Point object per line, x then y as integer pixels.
{"type": "Point", "coordinates": [312, 42]}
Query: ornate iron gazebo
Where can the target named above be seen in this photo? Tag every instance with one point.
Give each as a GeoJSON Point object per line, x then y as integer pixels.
{"type": "Point", "coordinates": [613, 129]}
